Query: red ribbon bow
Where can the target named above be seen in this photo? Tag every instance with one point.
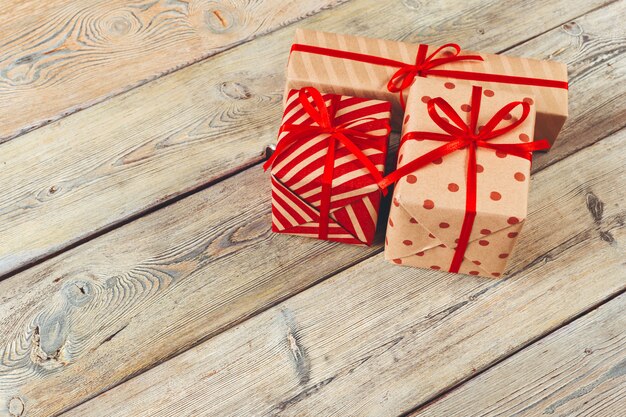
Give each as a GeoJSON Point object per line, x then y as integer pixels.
{"type": "Point", "coordinates": [403, 78]}
{"type": "Point", "coordinates": [460, 136]}
{"type": "Point", "coordinates": [343, 133]}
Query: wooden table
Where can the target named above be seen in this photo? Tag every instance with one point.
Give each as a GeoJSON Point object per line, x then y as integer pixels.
{"type": "Point", "coordinates": [139, 273]}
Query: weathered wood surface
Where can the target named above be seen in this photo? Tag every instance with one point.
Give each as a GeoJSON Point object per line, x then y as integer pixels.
{"type": "Point", "coordinates": [97, 168]}
{"type": "Point", "coordinates": [169, 277]}
{"type": "Point", "coordinates": [378, 339]}
{"type": "Point", "coordinates": [146, 296]}
{"type": "Point", "coordinates": [580, 370]}
{"type": "Point", "coordinates": [60, 56]}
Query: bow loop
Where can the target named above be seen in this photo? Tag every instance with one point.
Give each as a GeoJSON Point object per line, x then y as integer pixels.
{"type": "Point", "coordinates": [405, 75]}
{"type": "Point", "coordinates": [460, 130]}
{"type": "Point", "coordinates": [430, 58]}
{"type": "Point", "coordinates": [319, 113]}
{"type": "Point", "coordinates": [489, 131]}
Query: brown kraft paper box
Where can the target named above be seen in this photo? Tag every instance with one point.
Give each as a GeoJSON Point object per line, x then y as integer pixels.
{"type": "Point", "coordinates": [428, 206]}
{"type": "Point", "coordinates": [352, 77]}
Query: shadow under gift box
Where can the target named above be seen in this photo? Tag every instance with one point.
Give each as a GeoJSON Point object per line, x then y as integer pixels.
{"type": "Point", "coordinates": [351, 76]}
{"type": "Point", "coordinates": [429, 205]}
{"type": "Point", "coordinates": [297, 172]}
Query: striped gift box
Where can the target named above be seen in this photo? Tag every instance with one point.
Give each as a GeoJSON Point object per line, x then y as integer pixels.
{"type": "Point", "coordinates": [297, 172]}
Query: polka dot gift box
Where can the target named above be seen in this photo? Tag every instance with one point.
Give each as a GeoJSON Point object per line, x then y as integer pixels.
{"type": "Point", "coordinates": [327, 165]}
{"type": "Point", "coordinates": [462, 180]}
{"type": "Point", "coordinates": [385, 69]}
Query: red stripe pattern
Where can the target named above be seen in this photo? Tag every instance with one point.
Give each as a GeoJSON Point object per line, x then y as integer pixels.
{"type": "Point", "coordinates": [297, 173]}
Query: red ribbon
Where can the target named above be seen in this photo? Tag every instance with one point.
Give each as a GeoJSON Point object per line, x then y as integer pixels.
{"type": "Point", "coordinates": [425, 65]}
{"type": "Point", "coordinates": [343, 133]}
{"type": "Point", "coordinates": [460, 136]}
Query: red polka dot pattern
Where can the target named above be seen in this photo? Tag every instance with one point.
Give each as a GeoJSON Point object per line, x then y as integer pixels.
{"type": "Point", "coordinates": [429, 204]}
{"type": "Point", "coordinates": [449, 85]}
{"type": "Point", "coordinates": [430, 235]}
{"type": "Point", "coordinates": [524, 137]}
{"type": "Point", "coordinates": [496, 274]}
{"type": "Point", "coordinates": [476, 262]}
{"type": "Point", "coordinates": [453, 187]}
{"type": "Point", "coordinates": [503, 255]}
{"type": "Point", "coordinates": [513, 220]}
{"type": "Point", "coordinates": [413, 220]}
{"type": "Point", "coordinates": [425, 99]}
{"type": "Point", "coordinates": [420, 253]}
{"type": "Point", "coordinates": [411, 179]}
{"type": "Point", "coordinates": [406, 118]}
{"type": "Point", "coordinates": [390, 222]}
{"type": "Point", "coordinates": [444, 225]}
{"type": "Point", "coordinates": [479, 168]}
{"type": "Point", "coordinates": [473, 272]}
{"type": "Point", "coordinates": [407, 242]}
{"type": "Point", "coordinates": [483, 242]}
{"type": "Point", "coordinates": [485, 232]}
{"type": "Point", "coordinates": [396, 202]}
{"type": "Point", "coordinates": [397, 261]}
{"type": "Point", "coordinates": [488, 93]}
{"type": "Point", "coordinates": [495, 196]}
{"type": "Point", "coordinates": [435, 267]}
{"type": "Point", "coordinates": [438, 161]}
{"type": "Point", "coordinates": [512, 235]}
{"type": "Point", "coordinates": [519, 176]}
{"type": "Point", "coordinates": [501, 154]}
{"type": "Point", "coordinates": [528, 100]}
{"type": "Point", "coordinates": [508, 116]}
{"type": "Point", "coordinates": [466, 108]}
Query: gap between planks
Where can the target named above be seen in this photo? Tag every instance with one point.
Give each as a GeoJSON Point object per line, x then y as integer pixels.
{"type": "Point", "coordinates": [563, 371]}
{"type": "Point", "coordinates": [203, 31]}
{"type": "Point", "coordinates": [454, 388]}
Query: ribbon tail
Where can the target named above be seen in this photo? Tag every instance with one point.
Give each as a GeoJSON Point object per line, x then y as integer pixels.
{"type": "Point", "coordinates": [419, 162]}
{"type": "Point", "coordinates": [371, 168]}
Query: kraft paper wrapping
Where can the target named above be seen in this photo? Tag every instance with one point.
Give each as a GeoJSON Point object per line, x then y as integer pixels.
{"type": "Point", "coordinates": [428, 206]}
{"type": "Point", "coordinates": [354, 196]}
{"type": "Point", "coordinates": [344, 76]}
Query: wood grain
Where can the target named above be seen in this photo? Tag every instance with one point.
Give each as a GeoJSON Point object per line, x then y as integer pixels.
{"type": "Point", "coordinates": [579, 370]}
{"type": "Point", "coordinates": [61, 56]}
{"type": "Point", "coordinates": [152, 289]}
{"type": "Point", "coordinates": [185, 130]}
{"type": "Point", "coordinates": [378, 339]}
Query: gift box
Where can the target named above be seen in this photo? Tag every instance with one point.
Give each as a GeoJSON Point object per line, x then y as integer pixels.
{"type": "Point", "coordinates": [462, 179]}
{"type": "Point", "coordinates": [327, 164]}
{"type": "Point", "coordinates": [383, 69]}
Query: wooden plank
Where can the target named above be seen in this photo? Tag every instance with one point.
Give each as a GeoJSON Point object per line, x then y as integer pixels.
{"type": "Point", "coordinates": [61, 56]}
{"type": "Point", "coordinates": [177, 134]}
{"type": "Point", "coordinates": [166, 281]}
{"type": "Point", "coordinates": [378, 339]}
{"type": "Point", "coordinates": [578, 370]}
